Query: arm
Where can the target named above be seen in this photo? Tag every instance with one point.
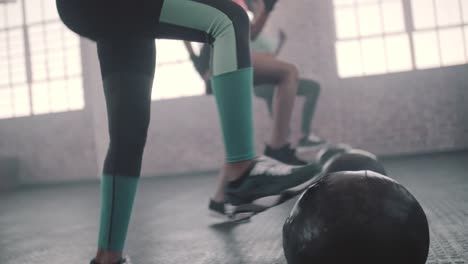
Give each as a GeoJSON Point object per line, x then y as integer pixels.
{"type": "Point", "coordinates": [189, 48]}
{"type": "Point", "coordinates": [262, 10]}
{"type": "Point", "coordinates": [282, 40]}
{"type": "Point", "coordinates": [258, 24]}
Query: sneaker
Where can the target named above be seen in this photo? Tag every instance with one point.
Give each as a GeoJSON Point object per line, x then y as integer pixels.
{"type": "Point", "coordinates": [285, 154]}
{"type": "Point", "coordinates": [124, 260]}
{"type": "Point", "coordinates": [268, 183]}
{"type": "Point", "coordinates": [217, 210]}
{"type": "Point", "coordinates": [309, 142]}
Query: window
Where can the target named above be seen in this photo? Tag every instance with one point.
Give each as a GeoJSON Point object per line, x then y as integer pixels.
{"type": "Point", "coordinates": [175, 75]}
{"type": "Point", "coordinates": [440, 32]}
{"type": "Point", "coordinates": [14, 96]}
{"type": "Point", "coordinates": [40, 63]}
{"type": "Point", "coordinates": [373, 36]}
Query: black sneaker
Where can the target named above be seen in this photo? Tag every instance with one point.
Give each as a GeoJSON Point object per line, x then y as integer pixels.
{"type": "Point", "coordinates": [268, 183]}
{"type": "Point", "coordinates": [285, 154]}
{"type": "Point", "coordinates": [217, 210]}
{"type": "Point", "coordinates": [124, 260]}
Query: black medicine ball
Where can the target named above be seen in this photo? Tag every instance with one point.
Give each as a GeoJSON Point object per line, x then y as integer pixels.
{"type": "Point", "coordinates": [356, 217]}
{"type": "Point", "coordinates": [354, 160]}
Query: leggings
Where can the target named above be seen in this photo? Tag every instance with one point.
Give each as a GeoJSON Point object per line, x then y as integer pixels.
{"type": "Point", "coordinates": [125, 33]}
{"type": "Point", "coordinates": [308, 88]}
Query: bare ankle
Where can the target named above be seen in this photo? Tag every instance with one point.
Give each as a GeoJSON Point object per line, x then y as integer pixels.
{"type": "Point", "coordinates": [233, 171]}
{"type": "Point", "coordinates": [107, 256]}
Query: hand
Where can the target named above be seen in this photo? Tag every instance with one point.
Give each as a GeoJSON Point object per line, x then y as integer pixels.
{"type": "Point", "coordinates": [270, 4]}
{"type": "Point", "coordinates": [258, 6]}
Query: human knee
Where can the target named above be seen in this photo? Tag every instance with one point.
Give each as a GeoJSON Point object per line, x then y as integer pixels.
{"type": "Point", "coordinates": [129, 141]}
{"type": "Point", "coordinates": [289, 72]}
{"type": "Point", "coordinates": [293, 71]}
{"type": "Point", "coordinates": [235, 21]}
{"type": "Point", "coordinates": [240, 22]}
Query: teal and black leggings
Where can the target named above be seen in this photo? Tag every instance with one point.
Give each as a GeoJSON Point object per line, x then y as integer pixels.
{"type": "Point", "coordinates": [124, 32]}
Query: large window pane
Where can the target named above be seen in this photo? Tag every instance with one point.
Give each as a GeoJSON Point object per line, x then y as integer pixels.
{"type": "Point", "coordinates": [16, 60]}
{"type": "Point", "coordinates": [465, 10]}
{"type": "Point", "coordinates": [451, 46]}
{"type": "Point", "coordinates": [6, 109]}
{"type": "Point", "coordinates": [363, 2]}
{"type": "Point", "coordinates": [58, 95]}
{"type": "Point", "coordinates": [348, 55]}
{"type": "Point", "coordinates": [345, 19]}
{"type": "Point", "coordinates": [393, 16]}
{"type": "Point", "coordinates": [398, 53]}
{"type": "Point", "coordinates": [14, 14]}
{"type": "Point", "coordinates": [168, 85]}
{"type": "Point", "coordinates": [4, 74]}
{"type": "Point", "coordinates": [50, 10]}
{"type": "Point", "coordinates": [370, 22]}
{"type": "Point", "coordinates": [75, 94]}
{"type": "Point", "coordinates": [423, 14]}
{"type": "Point", "coordinates": [373, 56]}
{"type": "Point", "coordinates": [40, 95]}
{"type": "Point", "coordinates": [3, 17]}
{"type": "Point", "coordinates": [33, 11]}
{"type": "Point", "coordinates": [343, 2]}
{"type": "Point", "coordinates": [21, 101]}
{"type": "Point", "coordinates": [170, 51]}
{"type": "Point", "coordinates": [448, 12]}
{"type": "Point", "coordinates": [426, 49]}
{"type": "Point", "coordinates": [466, 41]}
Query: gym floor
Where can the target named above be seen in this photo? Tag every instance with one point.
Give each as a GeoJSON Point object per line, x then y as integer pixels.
{"type": "Point", "coordinates": [170, 224]}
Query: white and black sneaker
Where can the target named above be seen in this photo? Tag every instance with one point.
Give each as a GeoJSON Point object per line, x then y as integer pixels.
{"type": "Point", "coordinates": [268, 183]}
{"type": "Point", "coordinates": [218, 210]}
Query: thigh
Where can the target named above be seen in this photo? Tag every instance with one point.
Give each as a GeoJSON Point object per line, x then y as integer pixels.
{"type": "Point", "coordinates": [221, 23]}
{"type": "Point", "coordinates": [268, 69]}
{"type": "Point", "coordinates": [195, 20]}
{"type": "Point", "coordinates": [97, 19]}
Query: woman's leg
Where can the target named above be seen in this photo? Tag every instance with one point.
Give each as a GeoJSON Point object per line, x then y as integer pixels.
{"type": "Point", "coordinates": [266, 92]}
{"type": "Point", "coordinates": [224, 25]}
{"type": "Point", "coordinates": [311, 91]}
{"type": "Point", "coordinates": [269, 70]}
{"type": "Point", "coordinates": [127, 68]}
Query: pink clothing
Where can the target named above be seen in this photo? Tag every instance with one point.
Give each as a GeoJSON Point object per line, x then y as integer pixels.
{"type": "Point", "coordinates": [241, 3]}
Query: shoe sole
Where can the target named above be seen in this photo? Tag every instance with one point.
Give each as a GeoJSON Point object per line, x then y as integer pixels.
{"type": "Point", "coordinates": [304, 149]}
{"type": "Point", "coordinates": [239, 217]}
{"type": "Point", "coordinates": [261, 204]}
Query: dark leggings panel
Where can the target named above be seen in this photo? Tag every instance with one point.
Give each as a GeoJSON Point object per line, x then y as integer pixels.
{"type": "Point", "coordinates": [122, 55]}
{"type": "Point", "coordinates": [128, 112]}
{"type": "Point", "coordinates": [127, 68]}
{"type": "Point", "coordinates": [96, 19]}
